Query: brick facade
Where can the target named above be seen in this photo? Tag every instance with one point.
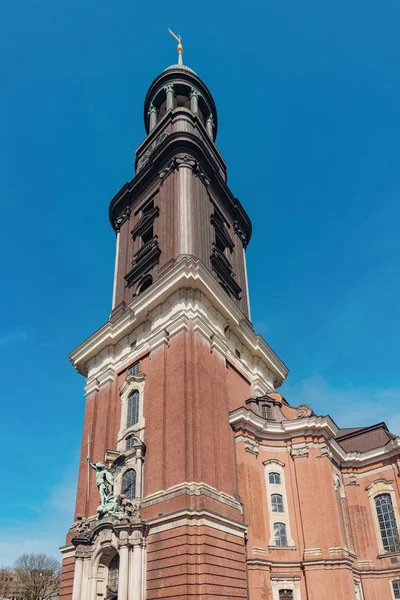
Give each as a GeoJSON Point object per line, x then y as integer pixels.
{"type": "Point", "coordinates": [237, 494]}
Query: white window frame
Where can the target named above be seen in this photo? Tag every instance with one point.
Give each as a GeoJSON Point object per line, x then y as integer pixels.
{"type": "Point", "coordinates": [131, 384]}
{"type": "Point", "coordinates": [376, 488]}
{"type": "Point", "coordinates": [391, 586]}
{"type": "Point", "coordinates": [285, 584]}
{"type": "Point", "coordinates": [276, 466]}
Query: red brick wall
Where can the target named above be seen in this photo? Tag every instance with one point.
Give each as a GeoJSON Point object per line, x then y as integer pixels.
{"type": "Point", "coordinates": [199, 562]}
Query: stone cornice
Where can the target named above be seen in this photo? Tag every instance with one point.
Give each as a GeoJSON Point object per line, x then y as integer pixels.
{"type": "Point", "coordinates": [242, 418]}
{"type": "Point", "coordinates": [247, 420]}
{"type": "Point", "coordinates": [187, 273]}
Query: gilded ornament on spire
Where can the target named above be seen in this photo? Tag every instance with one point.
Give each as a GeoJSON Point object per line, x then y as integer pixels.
{"type": "Point", "coordinates": [179, 47]}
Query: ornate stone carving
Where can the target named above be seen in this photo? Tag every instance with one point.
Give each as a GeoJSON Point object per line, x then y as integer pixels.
{"type": "Point", "coordinates": [82, 526]}
{"type": "Point", "coordinates": [169, 88]}
{"type": "Point", "coordinates": [251, 446]}
{"type": "Point", "coordinates": [301, 452]}
{"type": "Point", "coordinates": [145, 158]}
{"type": "Point", "coordinates": [202, 176]}
{"type": "Point", "coordinates": [129, 509]}
{"type": "Point", "coordinates": [303, 411]}
{"type": "Point", "coordinates": [171, 166]}
{"type": "Point", "coordinates": [352, 480]}
{"type": "Point", "coordinates": [122, 218]}
{"type": "Point", "coordinates": [194, 92]}
{"type": "Point", "coordinates": [152, 109]}
{"type": "Point", "coordinates": [186, 160]}
{"type": "Point", "coordinates": [240, 233]}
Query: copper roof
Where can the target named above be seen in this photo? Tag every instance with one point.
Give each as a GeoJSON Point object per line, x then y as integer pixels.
{"type": "Point", "coordinates": [362, 439]}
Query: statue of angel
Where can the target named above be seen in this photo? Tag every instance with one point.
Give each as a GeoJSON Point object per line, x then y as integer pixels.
{"type": "Point", "coordinates": [105, 484]}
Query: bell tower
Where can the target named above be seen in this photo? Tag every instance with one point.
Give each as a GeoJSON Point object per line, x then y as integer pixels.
{"type": "Point", "coordinates": [158, 510]}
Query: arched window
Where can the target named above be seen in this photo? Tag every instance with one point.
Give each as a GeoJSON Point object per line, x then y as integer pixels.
{"type": "Point", "coordinates": [113, 572]}
{"type": "Point", "coordinates": [129, 484]}
{"type": "Point", "coordinates": [277, 503]}
{"type": "Point", "coordinates": [274, 478]}
{"type": "Point", "coordinates": [133, 409]}
{"type": "Point", "coordinates": [130, 442]}
{"type": "Point", "coordinates": [280, 534]}
{"type": "Point", "coordinates": [396, 588]}
{"type": "Point", "coordinates": [285, 594]}
{"type": "Point", "coordinates": [387, 523]}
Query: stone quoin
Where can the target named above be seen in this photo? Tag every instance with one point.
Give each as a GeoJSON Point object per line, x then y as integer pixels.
{"type": "Point", "coordinates": [197, 478]}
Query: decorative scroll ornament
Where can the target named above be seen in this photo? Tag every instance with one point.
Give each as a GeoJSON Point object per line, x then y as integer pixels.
{"type": "Point", "coordinates": [122, 218]}
{"type": "Point", "coordinates": [251, 446]}
{"type": "Point", "coordinates": [169, 88]}
{"type": "Point", "coordinates": [171, 166]}
{"type": "Point", "coordinates": [303, 411]}
{"type": "Point", "coordinates": [194, 93]}
{"type": "Point", "coordinates": [240, 233]}
{"type": "Point", "coordinates": [187, 161]}
{"type": "Point", "coordinates": [301, 452]}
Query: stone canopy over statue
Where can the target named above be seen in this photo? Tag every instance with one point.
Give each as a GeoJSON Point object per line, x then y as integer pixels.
{"type": "Point", "coordinates": [109, 504]}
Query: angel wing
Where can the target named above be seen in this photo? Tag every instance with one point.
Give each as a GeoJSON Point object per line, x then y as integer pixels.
{"type": "Point", "coordinates": [117, 465]}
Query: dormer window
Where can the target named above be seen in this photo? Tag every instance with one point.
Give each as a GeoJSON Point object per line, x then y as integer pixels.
{"type": "Point", "coordinates": [266, 411]}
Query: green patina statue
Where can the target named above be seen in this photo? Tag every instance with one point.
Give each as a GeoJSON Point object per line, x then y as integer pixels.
{"type": "Point", "coordinates": [105, 484]}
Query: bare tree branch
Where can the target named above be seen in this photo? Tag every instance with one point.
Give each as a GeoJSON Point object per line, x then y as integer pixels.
{"type": "Point", "coordinates": [5, 583]}
{"type": "Point", "coordinates": [38, 576]}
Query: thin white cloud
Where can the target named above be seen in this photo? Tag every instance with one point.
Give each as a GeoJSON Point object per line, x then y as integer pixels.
{"type": "Point", "coordinates": [349, 406]}
{"type": "Point", "coordinates": [13, 337]}
{"type": "Point", "coordinates": [45, 528]}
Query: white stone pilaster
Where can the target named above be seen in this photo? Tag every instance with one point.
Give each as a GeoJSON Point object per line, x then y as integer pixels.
{"type": "Point", "coordinates": [136, 572]}
{"type": "Point", "coordinates": [123, 580]}
{"type": "Point", "coordinates": [77, 587]}
{"type": "Point", "coordinates": [85, 579]}
{"type": "Point", "coordinates": [186, 209]}
{"type": "Point", "coordinates": [116, 271]}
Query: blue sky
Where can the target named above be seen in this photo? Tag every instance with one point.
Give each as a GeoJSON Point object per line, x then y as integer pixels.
{"type": "Point", "coordinates": [308, 95]}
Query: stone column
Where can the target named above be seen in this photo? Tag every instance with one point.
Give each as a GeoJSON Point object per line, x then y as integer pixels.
{"type": "Point", "coordinates": [85, 579]}
{"type": "Point", "coordinates": [136, 571]}
{"type": "Point", "coordinates": [186, 210]}
{"type": "Point", "coordinates": [76, 590]}
{"type": "Point", "coordinates": [123, 579]}
{"type": "Point", "coordinates": [194, 100]}
{"type": "Point", "coordinates": [169, 92]}
{"type": "Point", "coordinates": [210, 126]}
{"type": "Point", "coordinates": [152, 116]}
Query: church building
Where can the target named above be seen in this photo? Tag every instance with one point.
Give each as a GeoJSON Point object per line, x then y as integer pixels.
{"type": "Point", "coordinates": [198, 479]}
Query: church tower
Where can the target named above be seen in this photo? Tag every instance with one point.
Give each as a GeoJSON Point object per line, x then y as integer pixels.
{"type": "Point", "coordinates": [158, 508]}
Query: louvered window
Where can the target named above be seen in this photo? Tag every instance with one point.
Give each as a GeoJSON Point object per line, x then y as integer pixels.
{"type": "Point", "coordinates": [133, 409]}
{"type": "Point", "coordinates": [387, 523]}
{"type": "Point", "coordinates": [129, 484]}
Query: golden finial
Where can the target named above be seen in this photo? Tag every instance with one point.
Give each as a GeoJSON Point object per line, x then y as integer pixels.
{"type": "Point", "coordinates": [180, 47]}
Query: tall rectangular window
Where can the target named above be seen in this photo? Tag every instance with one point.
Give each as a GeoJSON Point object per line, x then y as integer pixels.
{"type": "Point", "coordinates": [387, 523]}
{"type": "Point", "coordinates": [280, 534]}
{"type": "Point", "coordinates": [396, 588]}
{"type": "Point", "coordinates": [135, 368]}
{"type": "Point", "coordinates": [133, 409]}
